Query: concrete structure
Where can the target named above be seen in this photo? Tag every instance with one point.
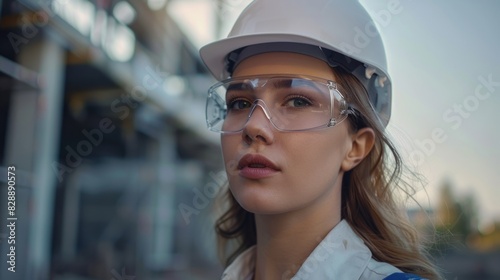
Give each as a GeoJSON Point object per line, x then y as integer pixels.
{"type": "Point", "coordinates": [103, 119]}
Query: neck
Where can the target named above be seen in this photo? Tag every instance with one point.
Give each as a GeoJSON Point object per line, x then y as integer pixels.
{"type": "Point", "coordinates": [285, 241]}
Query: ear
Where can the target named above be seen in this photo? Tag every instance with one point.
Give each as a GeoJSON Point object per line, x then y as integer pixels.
{"type": "Point", "coordinates": [361, 144]}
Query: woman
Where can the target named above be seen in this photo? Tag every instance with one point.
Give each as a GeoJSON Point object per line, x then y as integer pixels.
{"type": "Point", "coordinates": [311, 171]}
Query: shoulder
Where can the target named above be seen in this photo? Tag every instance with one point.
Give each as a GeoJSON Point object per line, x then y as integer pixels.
{"type": "Point", "coordinates": [403, 276]}
{"type": "Point", "coordinates": [379, 270]}
{"type": "Point", "coordinates": [385, 271]}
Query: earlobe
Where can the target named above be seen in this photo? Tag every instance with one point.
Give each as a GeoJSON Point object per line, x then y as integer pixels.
{"type": "Point", "coordinates": [361, 145]}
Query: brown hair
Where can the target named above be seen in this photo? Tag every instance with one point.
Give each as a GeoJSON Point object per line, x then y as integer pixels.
{"type": "Point", "coordinates": [368, 201]}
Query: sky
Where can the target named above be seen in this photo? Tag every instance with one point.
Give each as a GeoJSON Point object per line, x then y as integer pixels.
{"type": "Point", "coordinates": [444, 63]}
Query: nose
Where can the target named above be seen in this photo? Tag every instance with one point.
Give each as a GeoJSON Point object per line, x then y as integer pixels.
{"type": "Point", "coordinates": [261, 104]}
{"type": "Point", "coordinates": [258, 126]}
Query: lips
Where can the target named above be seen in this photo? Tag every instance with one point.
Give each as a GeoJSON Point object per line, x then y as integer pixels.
{"type": "Point", "coordinates": [256, 161]}
{"type": "Point", "coordinates": [255, 166]}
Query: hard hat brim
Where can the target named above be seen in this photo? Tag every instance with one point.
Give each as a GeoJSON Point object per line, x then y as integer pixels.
{"type": "Point", "coordinates": [214, 54]}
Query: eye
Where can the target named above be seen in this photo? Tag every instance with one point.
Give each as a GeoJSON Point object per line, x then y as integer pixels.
{"type": "Point", "coordinates": [239, 104]}
{"type": "Point", "coordinates": [298, 102]}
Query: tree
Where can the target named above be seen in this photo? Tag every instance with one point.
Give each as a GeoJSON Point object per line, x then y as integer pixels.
{"type": "Point", "coordinates": [457, 218]}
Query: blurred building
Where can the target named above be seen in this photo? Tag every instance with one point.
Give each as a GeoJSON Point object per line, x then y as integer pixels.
{"type": "Point", "coordinates": [102, 115]}
{"type": "Point", "coordinates": [459, 250]}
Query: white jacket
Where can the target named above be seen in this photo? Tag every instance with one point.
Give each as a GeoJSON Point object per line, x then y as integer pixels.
{"type": "Point", "coordinates": [340, 255]}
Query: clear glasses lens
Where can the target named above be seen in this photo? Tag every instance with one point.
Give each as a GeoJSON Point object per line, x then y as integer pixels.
{"type": "Point", "coordinates": [290, 103]}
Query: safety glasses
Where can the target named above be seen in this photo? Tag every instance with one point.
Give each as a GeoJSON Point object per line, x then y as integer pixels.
{"type": "Point", "coordinates": [289, 102]}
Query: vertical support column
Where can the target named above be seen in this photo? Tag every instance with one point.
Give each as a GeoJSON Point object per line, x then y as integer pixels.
{"type": "Point", "coordinates": [163, 199]}
{"type": "Point", "coordinates": [19, 151]}
{"type": "Point", "coordinates": [32, 146]}
{"type": "Point", "coordinates": [71, 214]}
{"type": "Point", "coordinates": [51, 64]}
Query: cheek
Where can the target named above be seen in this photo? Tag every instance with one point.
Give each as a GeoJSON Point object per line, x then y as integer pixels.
{"type": "Point", "coordinates": [313, 166]}
{"type": "Point", "coordinates": [231, 151]}
{"type": "Point", "coordinates": [317, 153]}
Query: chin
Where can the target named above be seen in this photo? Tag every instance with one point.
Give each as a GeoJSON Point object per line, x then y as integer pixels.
{"type": "Point", "coordinates": [260, 203]}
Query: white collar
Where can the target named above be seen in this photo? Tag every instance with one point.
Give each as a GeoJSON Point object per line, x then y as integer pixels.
{"type": "Point", "coordinates": [341, 253]}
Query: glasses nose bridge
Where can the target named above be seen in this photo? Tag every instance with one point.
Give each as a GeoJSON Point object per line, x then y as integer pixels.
{"type": "Point", "coordinates": [260, 103]}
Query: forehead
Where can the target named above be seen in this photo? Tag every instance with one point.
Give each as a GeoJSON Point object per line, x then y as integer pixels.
{"type": "Point", "coordinates": [283, 63]}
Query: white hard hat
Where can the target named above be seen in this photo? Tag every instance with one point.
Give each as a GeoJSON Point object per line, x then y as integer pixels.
{"type": "Point", "coordinates": [340, 32]}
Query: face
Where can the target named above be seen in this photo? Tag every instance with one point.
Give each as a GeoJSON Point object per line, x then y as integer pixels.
{"type": "Point", "coordinates": [274, 172]}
